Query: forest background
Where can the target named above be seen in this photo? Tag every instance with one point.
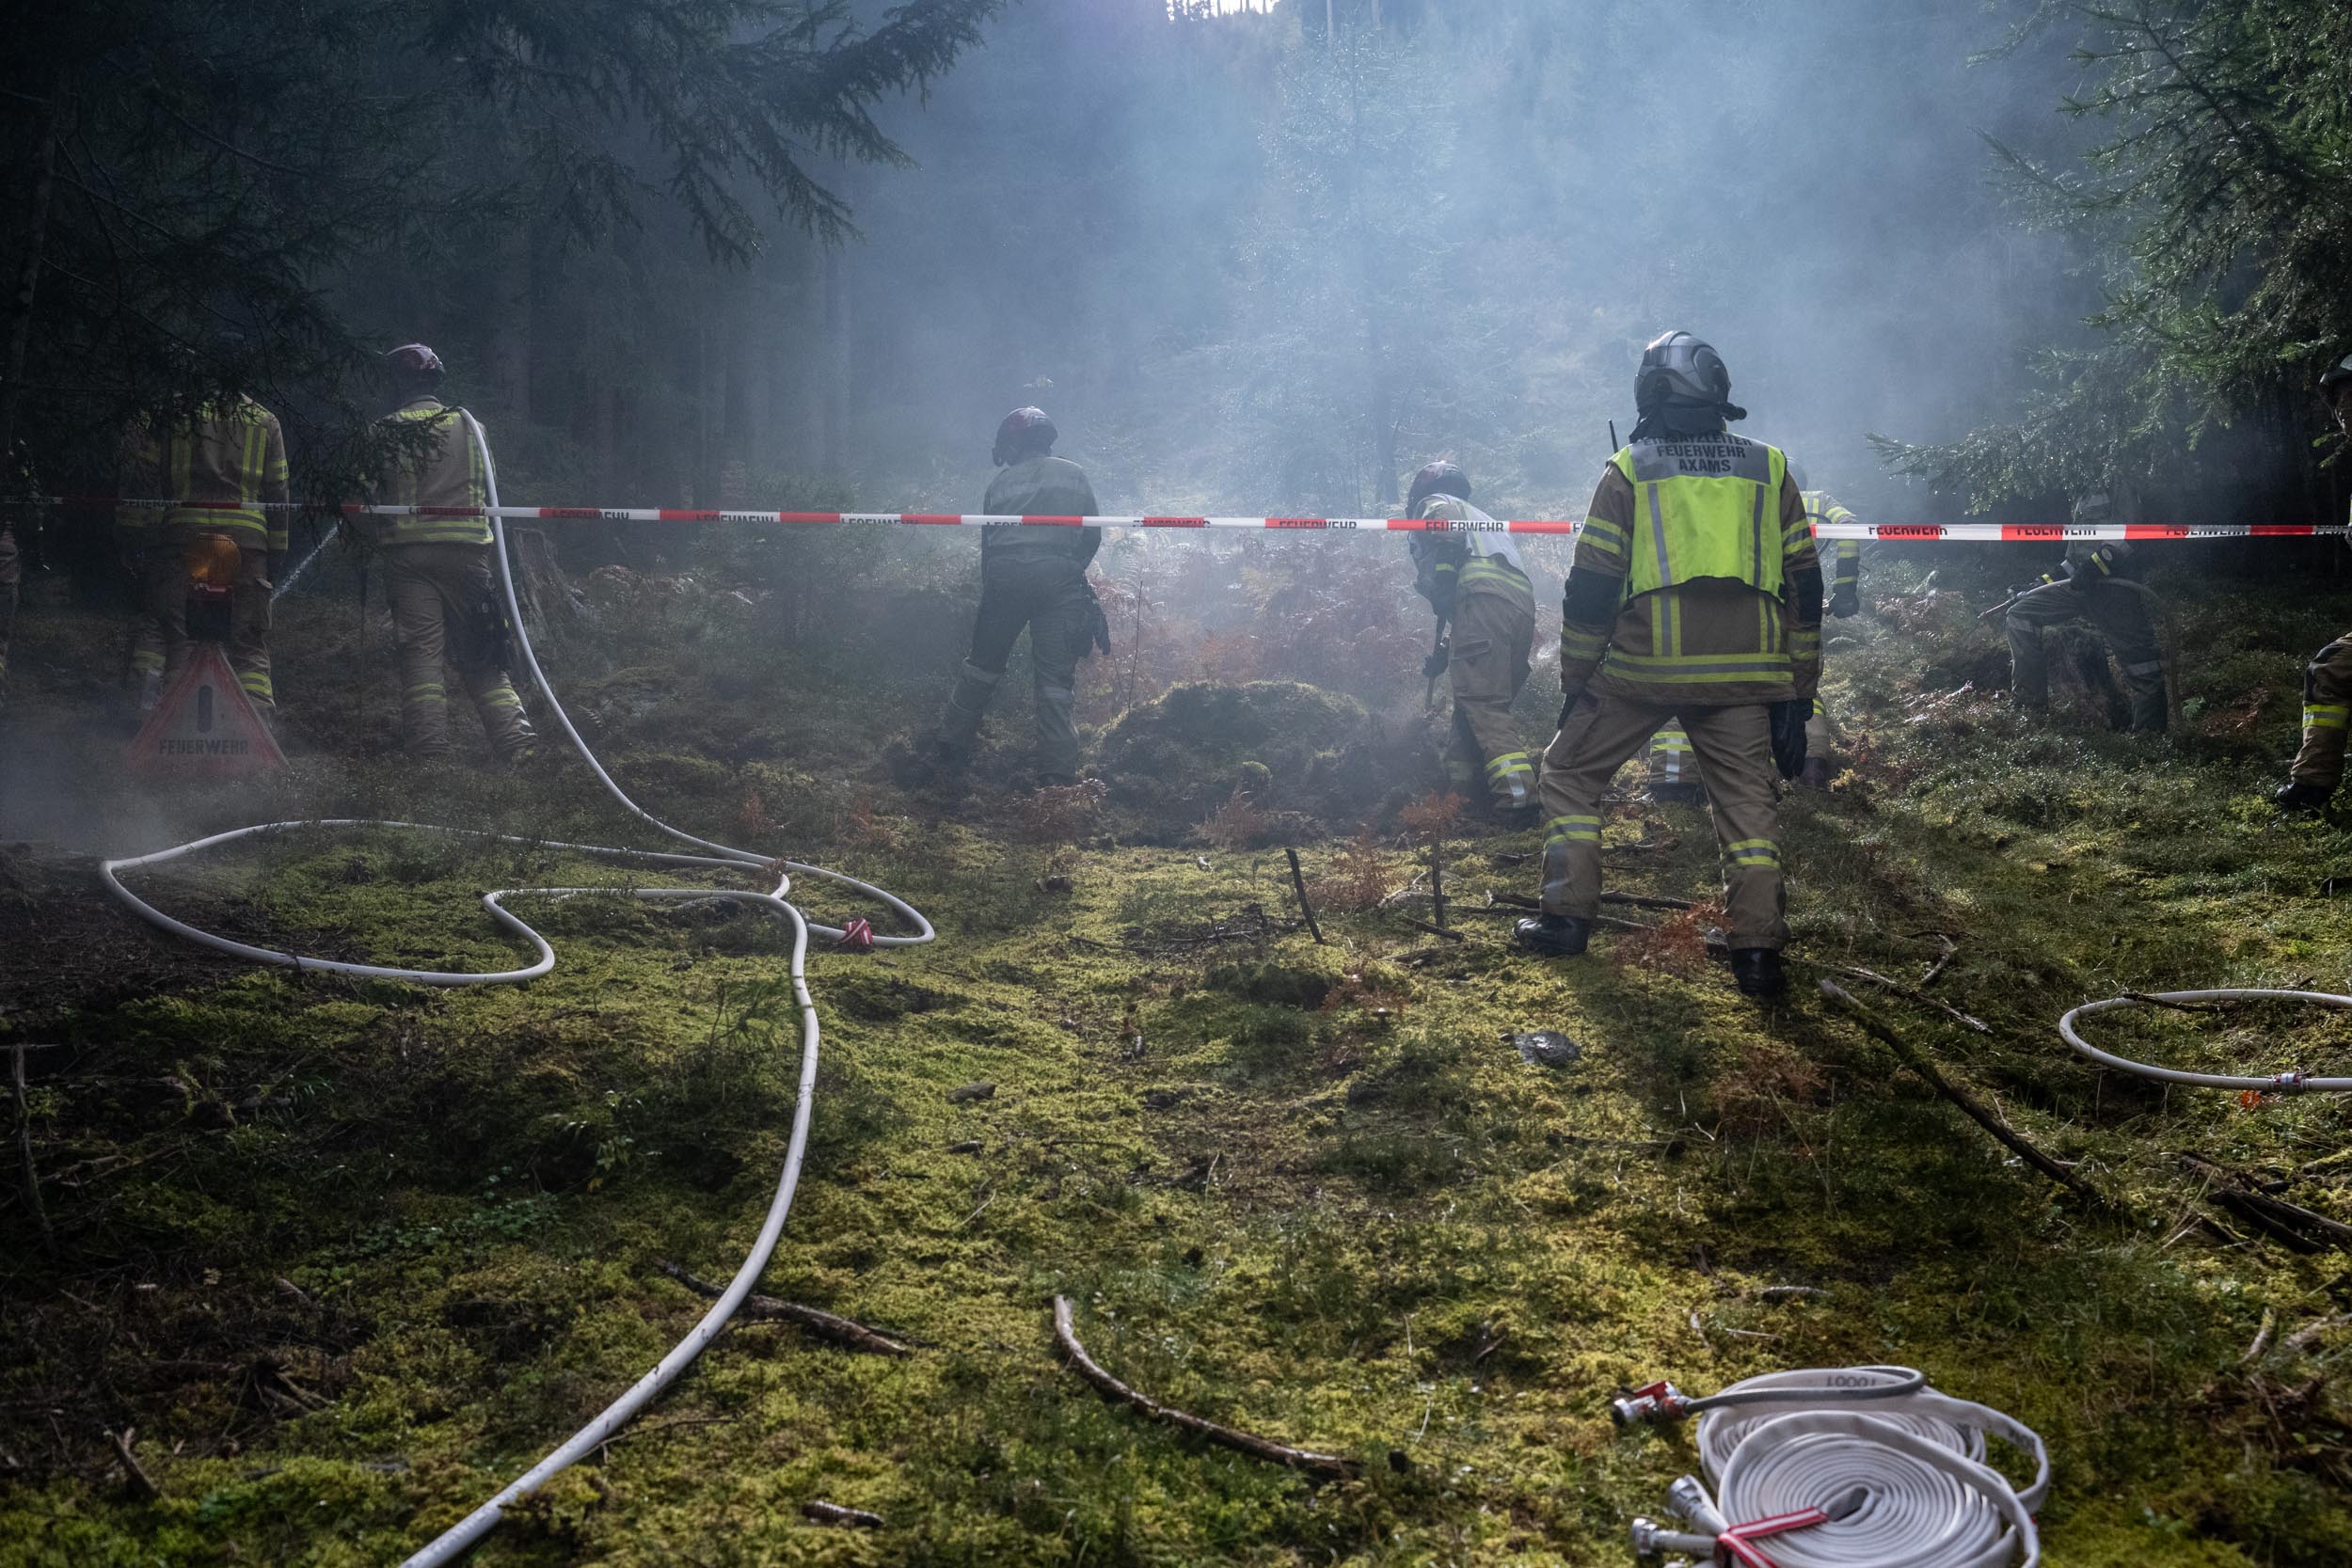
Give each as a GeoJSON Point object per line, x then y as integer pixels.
{"type": "Point", "coordinates": [754, 251]}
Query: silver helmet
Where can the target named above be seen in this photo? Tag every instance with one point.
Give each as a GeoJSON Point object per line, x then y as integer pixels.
{"type": "Point", "coordinates": [1678, 367]}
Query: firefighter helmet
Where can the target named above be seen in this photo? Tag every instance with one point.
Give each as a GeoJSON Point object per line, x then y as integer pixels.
{"type": "Point", "coordinates": [1443, 477]}
{"type": "Point", "coordinates": [1678, 367]}
{"type": "Point", "coordinates": [1024, 432]}
{"type": "Point", "coordinates": [414, 360]}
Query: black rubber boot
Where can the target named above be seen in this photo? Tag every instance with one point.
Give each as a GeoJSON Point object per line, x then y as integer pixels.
{"type": "Point", "coordinates": [1554, 936]}
{"type": "Point", "coordinates": [1816, 773]}
{"type": "Point", "coordinates": [1515, 819]}
{"type": "Point", "coordinates": [1758, 972]}
{"type": "Point", "coordinates": [2299, 796]}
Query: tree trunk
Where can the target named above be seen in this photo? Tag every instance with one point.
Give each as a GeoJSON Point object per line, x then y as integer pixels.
{"type": "Point", "coordinates": [36, 229]}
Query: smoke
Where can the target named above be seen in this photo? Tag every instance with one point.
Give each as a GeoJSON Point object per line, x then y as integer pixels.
{"type": "Point", "coordinates": [1250, 266]}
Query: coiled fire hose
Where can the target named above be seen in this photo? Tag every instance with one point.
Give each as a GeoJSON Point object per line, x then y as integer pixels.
{"type": "Point", "coordinates": [719, 856]}
{"type": "Point", "coordinates": [2288, 1083]}
{"type": "Point", "coordinates": [1844, 1467]}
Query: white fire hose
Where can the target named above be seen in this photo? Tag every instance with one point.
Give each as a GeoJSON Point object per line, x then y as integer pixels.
{"type": "Point", "coordinates": [2277, 1082]}
{"type": "Point", "coordinates": [721, 857]}
{"type": "Point", "coordinates": [1845, 1467]}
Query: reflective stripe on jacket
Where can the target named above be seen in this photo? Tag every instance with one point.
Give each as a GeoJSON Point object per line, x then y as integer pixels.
{"type": "Point", "coordinates": [1443, 563]}
{"type": "Point", "coordinates": [446, 473]}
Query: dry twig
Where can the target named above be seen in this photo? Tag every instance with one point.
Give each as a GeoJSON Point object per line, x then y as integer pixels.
{"type": "Point", "coordinates": [2009, 1139]}
{"type": "Point", "coordinates": [833, 1514]}
{"type": "Point", "coordinates": [2262, 1339]}
{"type": "Point", "coordinates": [842, 1330]}
{"type": "Point", "coordinates": [1874, 977]}
{"type": "Point", "coordinates": [142, 1486]}
{"type": "Point", "coordinates": [1331, 1466]}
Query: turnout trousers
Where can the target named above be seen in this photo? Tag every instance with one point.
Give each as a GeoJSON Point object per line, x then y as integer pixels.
{"type": "Point", "coordinates": [437, 594]}
{"type": "Point", "coordinates": [1733, 747]}
{"type": "Point", "coordinates": [2327, 711]}
{"type": "Point", "coordinates": [2120, 610]}
{"type": "Point", "coordinates": [1049, 596]}
{"type": "Point", "coordinates": [160, 647]}
{"type": "Point", "coordinates": [1494, 639]}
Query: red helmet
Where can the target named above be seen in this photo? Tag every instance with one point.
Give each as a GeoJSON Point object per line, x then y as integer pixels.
{"type": "Point", "coordinates": [1024, 432]}
{"type": "Point", "coordinates": [1442, 478]}
{"type": "Point", "coordinates": [414, 360]}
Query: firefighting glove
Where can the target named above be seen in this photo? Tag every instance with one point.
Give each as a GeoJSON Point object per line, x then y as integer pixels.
{"type": "Point", "coordinates": [1846, 601]}
{"type": "Point", "coordinates": [1788, 720]}
{"type": "Point", "coordinates": [1439, 658]}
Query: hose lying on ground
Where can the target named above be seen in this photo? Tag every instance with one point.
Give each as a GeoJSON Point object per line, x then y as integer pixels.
{"type": "Point", "coordinates": [2289, 1082]}
{"type": "Point", "coordinates": [1845, 1467]}
{"type": "Point", "coordinates": [462, 1535]}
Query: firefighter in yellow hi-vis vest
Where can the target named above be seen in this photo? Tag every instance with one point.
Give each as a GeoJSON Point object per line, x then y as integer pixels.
{"type": "Point", "coordinates": [220, 470]}
{"type": "Point", "coordinates": [1695, 595]}
{"type": "Point", "coordinates": [1472, 578]}
{"type": "Point", "coordinates": [446, 610]}
{"type": "Point", "coordinates": [2328, 683]}
{"type": "Point", "coordinates": [1673, 774]}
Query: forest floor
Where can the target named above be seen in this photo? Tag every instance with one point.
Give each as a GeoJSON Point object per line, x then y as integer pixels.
{"type": "Point", "coordinates": [348, 1256]}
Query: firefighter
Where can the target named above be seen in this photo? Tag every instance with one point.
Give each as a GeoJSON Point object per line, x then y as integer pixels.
{"type": "Point", "coordinates": [2327, 684]}
{"type": "Point", "coordinates": [1673, 774]}
{"type": "Point", "coordinates": [1472, 578]}
{"type": "Point", "coordinates": [1695, 596]}
{"type": "Point", "coordinates": [220, 469]}
{"type": "Point", "coordinates": [2092, 583]}
{"type": "Point", "coordinates": [1033, 577]}
{"type": "Point", "coordinates": [447, 614]}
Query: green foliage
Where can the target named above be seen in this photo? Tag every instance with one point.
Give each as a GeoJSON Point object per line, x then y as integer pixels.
{"type": "Point", "coordinates": [2213, 202]}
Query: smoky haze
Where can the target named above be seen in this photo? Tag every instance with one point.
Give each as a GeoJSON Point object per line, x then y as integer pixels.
{"type": "Point", "coordinates": [1250, 266]}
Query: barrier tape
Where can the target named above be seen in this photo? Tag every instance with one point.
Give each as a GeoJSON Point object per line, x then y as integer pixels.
{"type": "Point", "coordinates": [1998, 533]}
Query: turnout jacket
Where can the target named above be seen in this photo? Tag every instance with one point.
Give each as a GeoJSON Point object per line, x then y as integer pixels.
{"type": "Point", "coordinates": [1447, 564]}
{"type": "Point", "coordinates": [1696, 581]}
{"type": "Point", "coordinates": [1040, 487]}
{"type": "Point", "coordinates": [231, 459]}
{"type": "Point", "coordinates": [446, 473]}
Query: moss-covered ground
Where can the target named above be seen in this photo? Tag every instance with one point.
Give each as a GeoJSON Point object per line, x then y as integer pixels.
{"type": "Point", "coordinates": [349, 1257]}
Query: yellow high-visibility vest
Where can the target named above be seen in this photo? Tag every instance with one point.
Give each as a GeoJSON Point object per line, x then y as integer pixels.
{"type": "Point", "coordinates": [1704, 507]}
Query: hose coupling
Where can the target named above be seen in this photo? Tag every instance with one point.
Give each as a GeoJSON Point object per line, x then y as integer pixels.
{"type": "Point", "coordinates": [1688, 1498]}
{"type": "Point", "coordinates": [1658, 1401]}
{"type": "Point", "coordinates": [2290, 1082]}
{"type": "Point", "coordinates": [1652, 1539]}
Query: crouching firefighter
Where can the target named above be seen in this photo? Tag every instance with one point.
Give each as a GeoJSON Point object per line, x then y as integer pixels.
{"type": "Point", "coordinates": [2092, 583]}
{"type": "Point", "coordinates": [447, 611]}
{"type": "Point", "coordinates": [2328, 683]}
{"type": "Point", "coordinates": [1695, 596]}
{"type": "Point", "coordinates": [1472, 578]}
{"type": "Point", "coordinates": [1032, 576]}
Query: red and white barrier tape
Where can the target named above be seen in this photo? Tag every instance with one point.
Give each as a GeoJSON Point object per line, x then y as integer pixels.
{"type": "Point", "coordinates": [2011, 533]}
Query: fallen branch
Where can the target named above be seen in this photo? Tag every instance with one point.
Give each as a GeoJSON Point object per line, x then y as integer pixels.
{"type": "Point", "coordinates": [1331, 1466]}
{"type": "Point", "coordinates": [2262, 1339]}
{"type": "Point", "coordinates": [1874, 977]}
{"type": "Point", "coordinates": [2001, 1129]}
{"type": "Point", "coordinates": [833, 1514]}
{"type": "Point", "coordinates": [1299, 884]}
{"type": "Point", "coordinates": [2289, 1223]}
{"type": "Point", "coordinates": [142, 1486]}
{"type": "Point", "coordinates": [1433, 930]}
{"type": "Point", "coordinates": [842, 1330]}
{"type": "Point", "coordinates": [1951, 950]}
{"type": "Point", "coordinates": [1643, 901]}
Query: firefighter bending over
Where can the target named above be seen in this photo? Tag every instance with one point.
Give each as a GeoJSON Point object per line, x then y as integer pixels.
{"type": "Point", "coordinates": [1695, 595]}
{"type": "Point", "coordinates": [1472, 578]}
{"type": "Point", "coordinates": [2092, 583]}
{"type": "Point", "coordinates": [446, 609]}
{"type": "Point", "coordinates": [1033, 577]}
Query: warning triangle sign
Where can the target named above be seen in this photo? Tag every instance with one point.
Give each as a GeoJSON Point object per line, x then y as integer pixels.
{"type": "Point", "coordinates": [205, 727]}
